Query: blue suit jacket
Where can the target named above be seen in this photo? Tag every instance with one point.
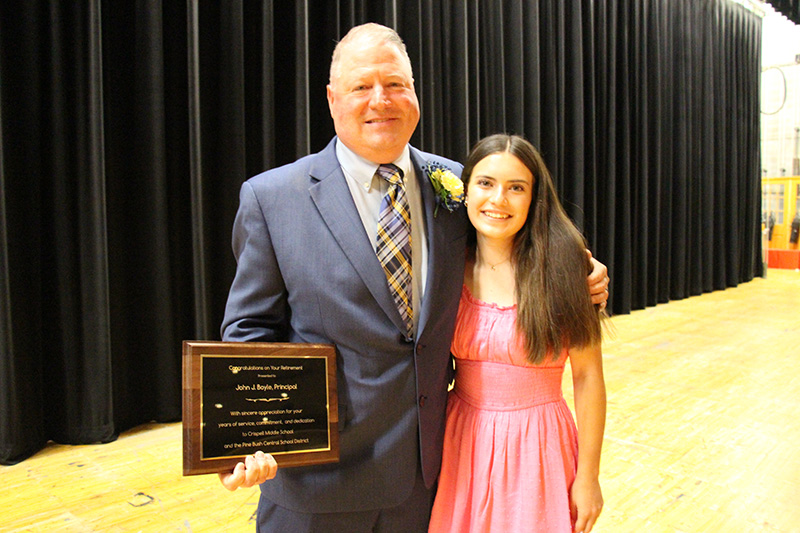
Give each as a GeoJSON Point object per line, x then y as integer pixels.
{"type": "Point", "coordinates": [307, 272]}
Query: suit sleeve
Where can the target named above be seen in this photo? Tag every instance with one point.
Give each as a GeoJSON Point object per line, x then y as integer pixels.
{"type": "Point", "coordinates": [257, 307]}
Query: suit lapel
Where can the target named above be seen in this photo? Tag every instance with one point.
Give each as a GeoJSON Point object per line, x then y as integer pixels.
{"type": "Point", "coordinates": [435, 235]}
{"type": "Point", "coordinates": [440, 231]}
{"type": "Point", "coordinates": [331, 195]}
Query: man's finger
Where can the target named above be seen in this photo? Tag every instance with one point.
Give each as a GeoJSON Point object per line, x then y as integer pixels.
{"type": "Point", "coordinates": [251, 471]}
{"type": "Point", "coordinates": [270, 466]}
{"type": "Point", "coordinates": [232, 480]}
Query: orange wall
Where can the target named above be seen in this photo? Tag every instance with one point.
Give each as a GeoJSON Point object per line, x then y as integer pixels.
{"type": "Point", "coordinates": [771, 202]}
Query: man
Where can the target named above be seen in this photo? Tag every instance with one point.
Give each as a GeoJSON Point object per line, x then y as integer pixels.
{"type": "Point", "coordinates": [305, 238]}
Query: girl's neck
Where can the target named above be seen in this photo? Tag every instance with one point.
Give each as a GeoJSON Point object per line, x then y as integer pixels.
{"type": "Point", "coordinates": [493, 254]}
{"type": "Point", "coordinates": [489, 275]}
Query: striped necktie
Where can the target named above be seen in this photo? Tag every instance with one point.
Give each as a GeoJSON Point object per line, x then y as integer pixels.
{"type": "Point", "coordinates": [394, 242]}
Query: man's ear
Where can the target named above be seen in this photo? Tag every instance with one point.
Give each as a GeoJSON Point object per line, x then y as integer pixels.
{"type": "Point", "coordinates": [330, 95]}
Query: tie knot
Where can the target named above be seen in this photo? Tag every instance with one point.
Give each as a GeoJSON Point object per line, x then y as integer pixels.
{"type": "Point", "coordinates": [390, 173]}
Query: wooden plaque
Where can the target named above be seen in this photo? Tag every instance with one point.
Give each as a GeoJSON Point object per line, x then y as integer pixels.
{"type": "Point", "coordinates": [241, 397]}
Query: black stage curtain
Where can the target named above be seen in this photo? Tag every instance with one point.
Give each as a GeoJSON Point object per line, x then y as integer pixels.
{"type": "Point", "coordinates": [788, 8]}
{"type": "Point", "coordinates": [126, 129]}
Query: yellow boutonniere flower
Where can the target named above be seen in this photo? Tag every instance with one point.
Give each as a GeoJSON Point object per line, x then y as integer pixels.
{"type": "Point", "coordinates": [448, 187]}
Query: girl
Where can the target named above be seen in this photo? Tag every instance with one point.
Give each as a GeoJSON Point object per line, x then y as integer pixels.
{"type": "Point", "coordinates": [513, 457]}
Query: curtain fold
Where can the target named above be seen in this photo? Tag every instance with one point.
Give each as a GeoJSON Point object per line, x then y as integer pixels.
{"type": "Point", "coordinates": [126, 130]}
{"type": "Point", "coordinates": [20, 214]}
{"type": "Point", "coordinates": [75, 353]}
{"type": "Point", "coordinates": [788, 8]}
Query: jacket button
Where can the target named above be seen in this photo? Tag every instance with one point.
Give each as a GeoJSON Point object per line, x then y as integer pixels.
{"type": "Point", "coordinates": [422, 400]}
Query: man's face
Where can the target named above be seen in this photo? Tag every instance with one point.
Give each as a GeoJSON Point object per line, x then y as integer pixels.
{"type": "Point", "coordinates": [373, 102]}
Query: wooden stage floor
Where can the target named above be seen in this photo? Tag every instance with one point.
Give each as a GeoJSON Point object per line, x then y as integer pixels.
{"type": "Point", "coordinates": [702, 435]}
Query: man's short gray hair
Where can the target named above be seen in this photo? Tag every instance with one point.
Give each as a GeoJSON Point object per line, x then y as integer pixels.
{"type": "Point", "coordinates": [375, 34]}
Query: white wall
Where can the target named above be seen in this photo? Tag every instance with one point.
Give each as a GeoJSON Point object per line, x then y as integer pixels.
{"type": "Point", "coordinates": [780, 100]}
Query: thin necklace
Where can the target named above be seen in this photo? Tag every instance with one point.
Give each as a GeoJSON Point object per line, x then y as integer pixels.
{"type": "Point", "coordinates": [494, 267]}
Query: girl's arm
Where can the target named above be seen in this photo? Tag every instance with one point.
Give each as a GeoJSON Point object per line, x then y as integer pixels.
{"type": "Point", "coordinates": [586, 499]}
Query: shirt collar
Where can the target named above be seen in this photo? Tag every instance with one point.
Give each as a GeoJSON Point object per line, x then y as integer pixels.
{"type": "Point", "coordinates": [363, 171]}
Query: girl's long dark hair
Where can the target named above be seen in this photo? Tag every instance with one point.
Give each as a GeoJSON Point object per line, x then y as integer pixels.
{"type": "Point", "coordinates": [554, 308]}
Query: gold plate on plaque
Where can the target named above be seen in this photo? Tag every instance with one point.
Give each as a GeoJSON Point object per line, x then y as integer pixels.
{"type": "Point", "coordinates": [241, 397]}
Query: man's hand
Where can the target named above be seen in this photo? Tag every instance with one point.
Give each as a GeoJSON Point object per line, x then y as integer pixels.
{"type": "Point", "coordinates": [598, 282]}
{"type": "Point", "coordinates": [255, 470]}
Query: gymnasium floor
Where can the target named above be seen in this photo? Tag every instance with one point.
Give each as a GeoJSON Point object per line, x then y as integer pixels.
{"type": "Point", "coordinates": [702, 435]}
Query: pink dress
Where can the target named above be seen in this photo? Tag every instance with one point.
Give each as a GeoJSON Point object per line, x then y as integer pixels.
{"type": "Point", "coordinates": [510, 444]}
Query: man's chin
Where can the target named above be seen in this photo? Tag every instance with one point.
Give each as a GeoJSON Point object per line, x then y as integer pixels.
{"type": "Point", "coordinates": [386, 147]}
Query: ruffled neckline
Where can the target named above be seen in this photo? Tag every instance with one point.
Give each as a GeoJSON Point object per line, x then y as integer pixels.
{"type": "Point", "coordinates": [491, 305]}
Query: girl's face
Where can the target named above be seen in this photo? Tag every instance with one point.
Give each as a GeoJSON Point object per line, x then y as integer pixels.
{"type": "Point", "coordinates": [499, 192]}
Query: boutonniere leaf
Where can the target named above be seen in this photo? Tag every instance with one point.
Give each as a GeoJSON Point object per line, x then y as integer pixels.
{"type": "Point", "coordinates": [448, 187]}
